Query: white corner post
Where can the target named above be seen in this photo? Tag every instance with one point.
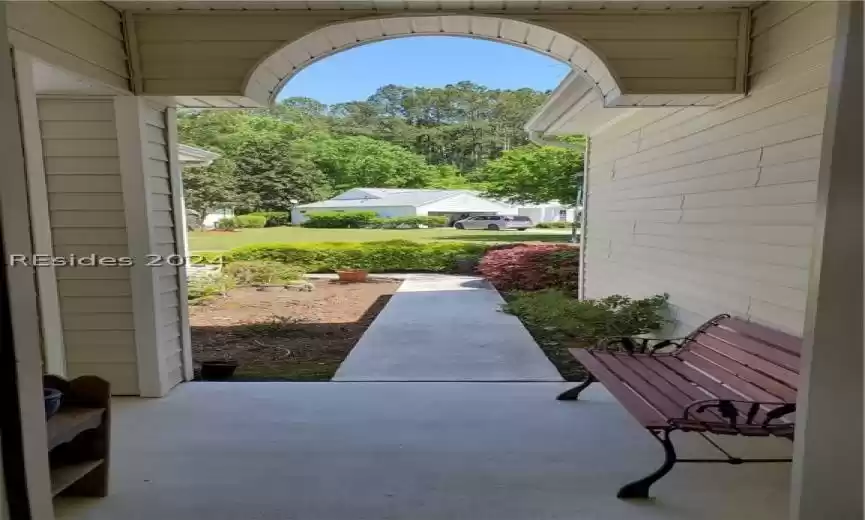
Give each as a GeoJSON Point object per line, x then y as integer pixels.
{"type": "Point", "coordinates": [827, 463]}
{"type": "Point", "coordinates": [132, 145]}
{"type": "Point", "coordinates": [46, 277]}
{"type": "Point", "coordinates": [23, 311]}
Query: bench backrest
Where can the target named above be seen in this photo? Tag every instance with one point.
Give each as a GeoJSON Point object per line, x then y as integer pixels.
{"type": "Point", "coordinates": [760, 363]}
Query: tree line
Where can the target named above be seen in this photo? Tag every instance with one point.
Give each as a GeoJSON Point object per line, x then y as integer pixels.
{"type": "Point", "coordinates": [461, 136]}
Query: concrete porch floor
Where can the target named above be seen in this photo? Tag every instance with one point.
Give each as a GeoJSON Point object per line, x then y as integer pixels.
{"type": "Point", "coordinates": [409, 451]}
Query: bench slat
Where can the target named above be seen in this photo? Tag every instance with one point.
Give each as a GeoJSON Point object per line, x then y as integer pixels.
{"type": "Point", "coordinates": [752, 384]}
{"type": "Point", "coordinates": [706, 383]}
{"type": "Point", "coordinates": [784, 341]}
{"type": "Point", "coordinates": [749, 360]}
{"type": "Point", "coordinates": [667, 407]}
{"type": "Point", "coordinates": [645, 414]}
{"type": "Point", "coordinates": [667, 388]}
{"type": "Point", "coordinates": [770, 353]}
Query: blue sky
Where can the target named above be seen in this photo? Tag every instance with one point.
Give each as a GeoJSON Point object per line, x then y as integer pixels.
{"type": "Point", "coordinates": [428, 61]}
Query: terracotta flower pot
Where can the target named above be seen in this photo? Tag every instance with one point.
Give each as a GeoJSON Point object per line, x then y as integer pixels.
{"type": "Point", "coordinates": [352, 275]}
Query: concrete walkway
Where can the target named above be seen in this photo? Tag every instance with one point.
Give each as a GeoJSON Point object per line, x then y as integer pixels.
{"type": "Point", "coordinates": [446, 328]}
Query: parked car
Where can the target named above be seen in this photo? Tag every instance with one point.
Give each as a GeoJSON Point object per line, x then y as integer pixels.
{"type": "Point", "coordinates": [495, 222]}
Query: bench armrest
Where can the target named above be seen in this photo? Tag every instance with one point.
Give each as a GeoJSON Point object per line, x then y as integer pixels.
{"type": "Point", "coordinates": [635, 345]}
{"type": "Point", "coordinates": [738, 413]}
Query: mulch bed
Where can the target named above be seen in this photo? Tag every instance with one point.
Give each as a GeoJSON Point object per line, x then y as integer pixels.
{"type": "Point", "coordinates": [287, 335]}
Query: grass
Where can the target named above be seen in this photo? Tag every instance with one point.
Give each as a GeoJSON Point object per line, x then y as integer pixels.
{"type": "Point", "coordinates": [216, 241]}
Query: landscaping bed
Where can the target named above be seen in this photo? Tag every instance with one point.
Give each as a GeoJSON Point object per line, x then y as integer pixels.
{"type": "Point", "coordinates": [287, 335]}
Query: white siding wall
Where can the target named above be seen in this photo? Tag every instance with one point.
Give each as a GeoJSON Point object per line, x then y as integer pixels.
{"type": "Point", "coordinates": [84, 37]}
{"type": "Point", "coordinates": [716, 205]}
{"type": "Point", "coordinates": [85, 202]}
{"type": "Point", "coordinates": [158, 170]}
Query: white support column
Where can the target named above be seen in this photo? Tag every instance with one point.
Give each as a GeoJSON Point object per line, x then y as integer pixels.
{"type": "Point", "coordinates": [181, 240]}
{"type": "Point", "coordinates": [132, 140]}
{"type": "Point", "coordinates": [827, 468]}
{"type": "Point", "coordinates": [46, 277]}
{"type": "Point", "coordinates": [21, 290]}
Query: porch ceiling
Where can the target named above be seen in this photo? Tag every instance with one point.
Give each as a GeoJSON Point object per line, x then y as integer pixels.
{"type": "Point", "coordinates": [420, 451]}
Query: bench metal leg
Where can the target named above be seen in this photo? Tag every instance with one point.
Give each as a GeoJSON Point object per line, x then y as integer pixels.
{"type": "Point", "coordinates": [574, 393]}
{"type": "Point", "coordinates": [640, 488]}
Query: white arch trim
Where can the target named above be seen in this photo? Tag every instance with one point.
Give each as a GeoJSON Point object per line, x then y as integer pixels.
{"type": "Point", "coordinates": [268, 77]}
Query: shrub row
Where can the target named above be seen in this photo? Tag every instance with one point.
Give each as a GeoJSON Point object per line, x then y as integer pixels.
{"type": "Point", "coordinates": [554, 225]}
{"type": "Point", "coordinates": [408, 222]}
{"type": "Point", "coordinates": [274, 218]}
{"type": "Point", "coordinates": [383, 256]}
{"type": "Point", "coordinates": [532, 267]}
{"type": "Point", "coordinates": [241, 221]}
{"type": "Point", "coordinates": [262, 272]}
{"type": "Point", "coordinates": [340, 219]}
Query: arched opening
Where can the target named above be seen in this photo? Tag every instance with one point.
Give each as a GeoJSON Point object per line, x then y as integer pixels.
{"type": "Point", "coordinates": [268, 77]}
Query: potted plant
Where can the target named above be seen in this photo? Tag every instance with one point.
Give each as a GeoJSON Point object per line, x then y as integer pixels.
{"type": "Point", "coordinates": [352, 272]}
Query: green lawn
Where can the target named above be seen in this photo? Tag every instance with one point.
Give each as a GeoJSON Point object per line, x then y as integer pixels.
{"type": "Point", "coordinates": [217, 241]}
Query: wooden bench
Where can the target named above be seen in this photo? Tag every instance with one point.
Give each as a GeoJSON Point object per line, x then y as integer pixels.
{"type": "Point", "coordinates": [728, 377]}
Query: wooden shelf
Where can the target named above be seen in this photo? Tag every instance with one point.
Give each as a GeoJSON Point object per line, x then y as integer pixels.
{"type": "Point", "coordinates": [67, 423]}
{"type": "Point", "coordinates": [64, 476]}
{"type": "Point", "coordinates": [79, 436]}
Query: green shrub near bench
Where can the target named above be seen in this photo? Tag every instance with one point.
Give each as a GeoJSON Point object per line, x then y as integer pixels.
{"type": "Point", "coordinates": [377, 257]}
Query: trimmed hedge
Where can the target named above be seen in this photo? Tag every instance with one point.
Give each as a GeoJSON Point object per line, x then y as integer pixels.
{"type": "Point", "coordinates": [339, 219]}
{"type": "Point", "coordinates": [250, 221]}
{"type": "Point", "coordinates": [274, 218]}
{"type": "Point", "coordinates": [409, 222]}
{"type": "Point", "coordinates": [532, 267]}
{"type": "Point", "coordinates": [377, 257]}
{"type": "Point", "coordinates": [226, 224]}
{"type": "Point", "coordinates": [554, 225]}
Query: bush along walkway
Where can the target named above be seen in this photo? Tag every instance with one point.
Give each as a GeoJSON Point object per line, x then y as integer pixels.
{"type": "Point", "coordinates": [446, 328]}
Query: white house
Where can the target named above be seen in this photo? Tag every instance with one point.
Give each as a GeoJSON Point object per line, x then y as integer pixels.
{"type": "Point", "coordinates": [190, 156]}
{"type": "Point", "coordinates": [454, 204]}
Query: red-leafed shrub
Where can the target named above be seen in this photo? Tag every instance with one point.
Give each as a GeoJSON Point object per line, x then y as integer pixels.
{"type": "Point", "coordinates": [532, 267]}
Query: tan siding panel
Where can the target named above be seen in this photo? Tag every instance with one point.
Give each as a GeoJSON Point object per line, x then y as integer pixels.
{"type": "Point", "coordinates": [75, 110]}
{"type": "Point", "coordinates": [745, 172]}
{"type": "Point", "coordinates": [101, 354]}
{"type": "Point", "coordinates": [106, 304]}
{"type": "Point", "coordinates": [90, 219]}
{"type": "Point", "coordinates": [123, 377]}
{"type": "Point", "coordinates": [82, 165]}
{"type": "Point", "coordinates": [112, 288]}
{"type": "Point", "coordinates": [75, 129]}
{"type": "Point", "coordinates": [80, 148]}
{"type": "Point", "coordinates": [98, 321]}
{"type": "Point", "coordinates": [83, 184]}
{"type": "Point", "coordinates": [88, 201]}
{"type": "Point", "coordinates": [98, 236]}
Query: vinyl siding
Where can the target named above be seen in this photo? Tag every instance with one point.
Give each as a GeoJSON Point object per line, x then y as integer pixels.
{"type": "Point", "coordinates": [85, 203]}
{"type": "Point", "coordinates": [716, 205]}
{"type": "Point", "coordinates": [84, 37]}
{"type": "Point", "coordinates": [162, 220]}
{"type": "Point", "coordinates": [213, 53]}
